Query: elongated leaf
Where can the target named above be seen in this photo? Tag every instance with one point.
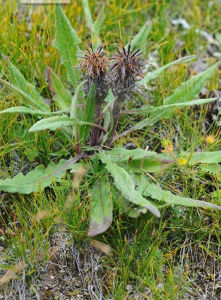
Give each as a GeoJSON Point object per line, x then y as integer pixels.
{"type": "Point", "coordinates": [24, 110]}
{"type": "Point", "coordinates": [74, 110]}
{"type": "Point", "coordinates": [202, 157]}
{"type": "Point", "coordinates": [87, 12]}
{"type": "Point", "coordinates": [18, 80]}
{"type": "Point", "coordinates": [154, 191]}
{"type": "Point", "coordinates": [37, 179]}
{"type": "Point", "coordinates": [119, 154]}
{"type": "Point", "coordinates": [183, 94]}
{"type": "Point", "coordinates": [62, 96]}
{"type": "Point", "coordinates": [96, 28]}
{"type": "Point", "coordinates": [56, 122]}
{"type": "Point", "coordinates": [140, 40]}
{"type": "Point", "coordinates": [88, 114]}
{"type": "Point", "coordinates": [156, 73]}
{"type": "Point", "coordinates": [162, 108]}
{"type": "Point", "coordinates": [191, 88]}
{"type": "Point", "coordinates": [67, 41]}
{"type": "Point", "coordinates": [139, 160]}
{"type": "Point", "coordinates": [102, 206]}
{"type": "Point", "coordinates": [125, 184]}
{"type": "Point", "coordinates": [52, 123]}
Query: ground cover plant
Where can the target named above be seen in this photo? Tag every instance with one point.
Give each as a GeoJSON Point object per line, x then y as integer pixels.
{"type": "Point", "coordinates": [84, 130]}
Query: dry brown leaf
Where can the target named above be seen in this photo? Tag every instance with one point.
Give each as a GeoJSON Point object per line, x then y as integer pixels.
{"type": "Point", "coordinates": [10, 273]}
{"type": "Point", "coordinates": [101, 247]}
{"type": "Point", "coordinates": [41, 214]}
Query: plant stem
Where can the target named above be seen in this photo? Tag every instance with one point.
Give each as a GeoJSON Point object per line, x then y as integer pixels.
{"type": "Point", "coordinates": [95, 132]}
{"type": "Point", "coordinates": [116, 114]}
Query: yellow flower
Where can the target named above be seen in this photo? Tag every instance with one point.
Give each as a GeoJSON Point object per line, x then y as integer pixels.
{"type": "Point", "coordinates": [182, 161]}
{"type": "Point", "coordinates": [210, 139]}
{"type": "Point", "coordinates": [168, 148]}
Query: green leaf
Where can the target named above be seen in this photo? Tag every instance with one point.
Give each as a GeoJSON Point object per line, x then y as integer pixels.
{"type": "Point", "coordinates": [88, 114]}
{"type": "Point", "coordinates": [154, 191]}
{"type": "Point", "coordinates": [125, 184]}
{"type": "Point", "coordinates": [74, 110]}
{"type": "Point", "coordinates": [213, 169]}
{"type": "Point", "coordinates": [66, 42]}
{"type": "Point", "coordinates": [156, 73]}
{"type": "Point", "coordinates": [183, 94]}
{"type": "Point", "coordinates": [119, 154]}
{"type": "Point", "coordinates": [56, 122]}
{"type": "Point", "coordinates": [52, 123]}
{"type": "Point", "coordinates": [162, 108]}
{"type": "Point", "coordinates": [87, 12]}
{"type": "Point", "coordinates": [18, 80]}
{"type": "Point", "coordinates": [62, 96]}
{"type": "Point", "coordinates": [202, 157]}
{"type": "Point", "coordinates": [24, 110]}
{"type": "Point", "coordinates": [102, 207]}
{"type": "Point", "coordinates": [37, 179]}
{"type": "Point", "coordinates": [191, 88]}
{"type": "Point", "coordinates": [96, 28]}
{"type": "Point", "coordinates": [139, 160]}
{"type": "Point", "coordinates": [140, 40]}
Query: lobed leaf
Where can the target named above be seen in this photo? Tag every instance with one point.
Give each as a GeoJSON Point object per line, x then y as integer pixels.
{"type": "Point", "coordinates": [37, 179]}
{"type": "Point", "coordinates": [139, 160]}
{"type": "Point", "coordinates": [125, 184]}
{"type": "Point", "coordinates": [154, 191]}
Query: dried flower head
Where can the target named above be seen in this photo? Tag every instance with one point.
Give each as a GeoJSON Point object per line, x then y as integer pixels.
{"type": "Point", "coordinates": [94, 65]}
{"type": "Point", "coordinates": [127, 69]}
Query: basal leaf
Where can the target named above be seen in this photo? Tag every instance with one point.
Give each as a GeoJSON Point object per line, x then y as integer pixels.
{"type": "Point", "coordinates": [183, 94]}
{"type": "Point", "coordinates": [156, 73]}
{"type": "Point", "coordinates": [155, 192]}
{"type": "Point", "coordinates": [126, 185]}
{"type": "Point", "coordinates": [162, 108]}
{"type": "Point", "coordinates": [18, 80]}
{"type": "Point", "coordinates": [62, 96]}
{"type": "Point", "coordinates": [101, 209]}
{"type": "Point", "coordinates": [24, 110]}
{"type": "Point", "coordinates": [66, 42]}
{"type": "Point", "coordinates": [139, 160]}
{"type": "Point", "coordinates": [186, 91]}
{"type": "Point", "coordinates": [37, 179]}
{"type": "Point", "coordinates": [52, 123]}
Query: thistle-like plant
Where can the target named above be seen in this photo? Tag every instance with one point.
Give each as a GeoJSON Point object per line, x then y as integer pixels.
{"type": "Point", "coordinates": [88, 120]}
{"type": "Point", "coordinates": [94, 64]}
{"type": "Point", "coordinates": [127, 68]}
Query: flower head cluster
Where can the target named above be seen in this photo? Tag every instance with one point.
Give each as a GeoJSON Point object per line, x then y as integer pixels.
{"type": "Point", "coordinates": [127, 68]}
{"type": "Point", "coordinates": [94, 64]}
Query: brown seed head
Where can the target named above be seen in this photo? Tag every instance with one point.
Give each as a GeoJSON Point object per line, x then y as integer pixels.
{"type": "Point", "coordinates": [128, 63]}
{"type": "Point", "coordinates": [94, 63]}
{"type": "Point", "coordinates": [126, 70]}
